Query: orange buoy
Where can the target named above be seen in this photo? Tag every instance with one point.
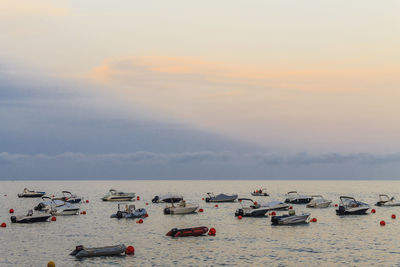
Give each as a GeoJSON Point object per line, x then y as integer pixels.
{"type": "Point", "coordinates": [201, 210]}
{"type": "Point", "coordinates": [273, 213]}
{"type": "Point", "coordinates": [240, 217]}
{"type": "Point", "coordinates": [137, 198]}
{"type": "Point", "coordinates": [130, 250]}
{"type": "Point", "coordinates": [216, 205]}
{"type": "Point", "coordinates": [393, 216]}
{"type": "Point", "coordinates": [146, 215]}
{"type": "Point", "coordinates": [212, 231]}
{"type": "Point", "coordinates": [51, 264]}
{"type": "Point", "coordinates": [139, 221]}
{"type": "Point", "coordinates": [11, 211]}
{"type": "Point", "coordinates": [314, 219]}
{"type": "Point", "coordinates": [53, 219]}
{"type": "Point", "coordinates": [373, 210]}
{"type": "Point", "coordinates": [382, 223]}
{"type": "Point", "coordinates": [3, 225]}
{"type": "Point", "coordinates": [87, 201]}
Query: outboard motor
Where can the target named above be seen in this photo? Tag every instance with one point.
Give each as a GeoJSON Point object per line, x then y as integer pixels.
{"type": "Point", "coordinates": [167, 211]}
{"type": "Point", "coordinates": [39, 207]}
{"type": "Point", "coordinates": [119, 214]}
{"type": "Point", "coordinates": [207, 199]}
{"type": "Point", "coordinates": [155, 199]}
{"type": "Point", "coordinates": [239, 212]}
{"type": "Point", "coordinates": [342, 209]}
{"type": "Point", "coordinates": [13, 219]}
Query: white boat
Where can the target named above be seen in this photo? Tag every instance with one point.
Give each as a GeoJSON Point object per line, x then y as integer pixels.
{"type": "Point", "coordinates": [253, 210]}
{"type": "Point", "coordinates": [290, 218]}
{"type": "Point", "coordinates": [295, 198]}
{"type": "Point", "coordinates": [57, 207]}
{"type": "Point", "coordinates": [385, 201]}
{"type": "Point", "coordinates": [30, 217]}
{"type": "Point", "coordinates": [350, 206]}
{"type": "Point", "coordinates": [319, 202]}
{"type": "Point", "coordinates": [31, 194]}
{"type": "Point", "coordinates": [115, 195]}
{"type": "Point", "coordinates": [220, 198]}
{"type": "Point", "coordinates": [181, 208]}
{"type": "Point", "coordinates": [276, 205]}
{"type": "Point", "coordinates": [260, 192]}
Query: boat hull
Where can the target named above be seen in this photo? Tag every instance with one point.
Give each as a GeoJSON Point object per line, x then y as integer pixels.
{"type": "Point", "coordinates": [82, 252]}
{"type": "Point", "coordinates": [298, 200]}
{"type": "Point", "coordinates": [251, 213]}
{"type": "Point", "coordinates": [290, 219]}
{"type": "Point", "coordinates": [180, 210]}
{"type": "Point", "coordinates": [32, 195]}
{"type": "Point", "coordinates": [30, 219]}
{"type": "Point", "coordinates": [354, 211]}
{"type": "Point", "coordinates": [319, 205]}
{"type": "Point", "coordinates": [116, 198]}
{"type": "Point", "coordinates": [195, 231]}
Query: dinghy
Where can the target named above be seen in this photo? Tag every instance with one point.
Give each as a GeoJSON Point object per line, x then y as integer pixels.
{"type": "Point", "coordinates": [81, 251]}
{"type": "Point", "coordinates": [130, 212]}
{"type": "Point", "coordinates": [194, 231]}
{"type": "Point", "coordinates": [260, 192]}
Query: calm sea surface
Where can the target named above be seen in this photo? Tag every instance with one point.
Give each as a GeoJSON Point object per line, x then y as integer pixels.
{"type": "Point", "coordinates": [332, 241]}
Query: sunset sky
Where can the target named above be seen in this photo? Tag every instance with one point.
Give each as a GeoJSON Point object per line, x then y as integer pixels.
{"type": "Point", "coordinates": [206, 89]}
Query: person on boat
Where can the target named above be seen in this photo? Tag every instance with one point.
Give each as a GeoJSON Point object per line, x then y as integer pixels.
{"type": "Point", "coordinates": [183, 203]}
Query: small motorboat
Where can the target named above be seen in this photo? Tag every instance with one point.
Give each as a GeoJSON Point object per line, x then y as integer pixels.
{"type": "Point", "coordinates": [260, 192]}
{"type": "Point", "coordinates": [290, 218]}
{"type": "Point", "coordinates": [319, 202]}
{"type": "Point", "coordinates": [385, 201]}
{"type": "Point", "coordinates": [253, 210]}
{"type": "Point", "coordinates": [57, 207]}
{"type": "Point", "coordinates": [69, 197]}
{"type": "Point", "coordinates": [81, 251]}
{"type": "Point", "coordinates": [350, 206]}
{"type": "Point", "coordinates": [115, 195]}
{"type": "Point", "coordinates": [295, 198]}
{"type": "Point", "coordinates": [130, 212]}
{"type": "Point", "coordinates": [181, 208]}
{"type": "Point", "coordinates": [275, 205]}
{"type": "Point", "coordinates": [194, 231]}
{"type": "Point", "coordinates": [30, 217]}
{"type": "Point", "coordinates": [220, 198]}
{"type": "Point", "coordinates": [167, 199]}
{"type": "Point", "coordinates": [28, 193]}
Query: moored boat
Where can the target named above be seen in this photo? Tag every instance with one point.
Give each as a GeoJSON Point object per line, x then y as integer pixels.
{"type": "Point", "coordinates": [220, 198]}
{"type": "Point", "coordinates": [170, 198]}
{"type": "Point", "coordinates": [81, 251]}
{"type": "Point", "coordinates": [130, 212]}
{"type": "Point", "coordinates": [115, 195]}
{"type": "Point", "coordinates": [290, 218]}
{"type": "Point", "coordinates": [181, 208]}
{"type": "Point", "coordinates": [260, 192]}
{"type": "Point", "coordinates": [275, 205]}
{"type": "Point", "coordinates": [295, 198]}
{"type": "Point", "coordinates": [194, 231]}
{"type": "Point", "coordinates": [252, 210]}
{"type": "Point", "coordinates": [30, 194]}
{"type": "Point", "coordinates": [385, 201]}
{"type": "Point", "coordinates": [319, 201]}
{"type": "Point", "coordinates": [30, 217]}
{"type": "Point", "coordinates": [350, 206]}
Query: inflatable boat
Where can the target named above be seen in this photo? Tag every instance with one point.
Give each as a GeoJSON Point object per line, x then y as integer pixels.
{"type": "Point", "coordinates": [130, 212]}
{"type": "Point", "coordinates": [194, 231]}
{"type": "Point", "coordinates": [81, 251]}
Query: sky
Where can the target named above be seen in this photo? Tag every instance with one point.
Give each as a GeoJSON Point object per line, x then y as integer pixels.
{"type": "Point", "coordinates": [199, 90]}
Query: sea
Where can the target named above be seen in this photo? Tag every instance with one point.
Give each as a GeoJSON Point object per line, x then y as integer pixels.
{"type": "Point", "coordinates": [331, 241]}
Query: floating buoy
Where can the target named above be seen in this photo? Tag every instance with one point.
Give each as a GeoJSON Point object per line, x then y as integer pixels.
{"type": "Point", "coordinates": [52, 195]}
{"type": "Point", "coordinates": [273, 213]}
{"type": "Point", "coordinates": [382, 223]}
{"type": "Point", "coordinates": [336, 205]}
{"type": "Point", "coordinates": [216, 205]}
{"type": "Point", "coordinates": [139, 221]}
{"type": "Point", "coordinates": [11, 211]}
{"type": "Point", "coordinates": [240, 200]}
{"type": "Point", "coordinates": [212, 231]}
{"type": "Point", "coordinates": [146, 215]}
{"type": "Point", "coordinates": [51, 264]}
{"type": "Point", "coordinates": [255, 203]}
{"type": "Point", "coordinates": [291, 207]}
{"type": "Point", "coordinates": [5, 195]}
{"type": "Point", "coordinates": [202, 198]}
{"type": "Point", "coordinates": [130, 250]}
{"type": "Point", "coordinates": [393, 216]}
{"type": "Point", "coordinates": [87, 201]}
{"type": "Point", "coordinates": [137, 198]}
{"type": "Point", "coordinates": [240, 217]}
{"type": "Point", "coordinates": [147, 203]}
{"type": "Point", "coordinates": [83, 212]}
{"type": "Point", "coordinates": [373, 210]}
{"type": "Point", "coordinates": [201, 210]}
{"type": "Point", "coordinates": [3, 225]}
{"type": "Point", "coordinates": [314, 219]}
{"type": "Point", "coordinates": [53, 219]}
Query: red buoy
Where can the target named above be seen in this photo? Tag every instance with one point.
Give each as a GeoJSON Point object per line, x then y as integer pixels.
{"type": "Point", "coordinates": [202, 198]}
{"type": "Point", "coordinates": [53, 219]}
{"type": "Point", "coordinates": [291, 207]}
{"type": "Point", "coordinates": [83, 212]}
{"type": "Point", "coordinates": [147, 203]}
{"type": "Point", "coordinates": [255, 203]}
{"type": "Point", "coordinates": [273, 213]}
{"type": "Point", "coordinates": [382, 223]}
{"type": "Point", "coordinates": [373, 210]}
{"type": "Point", "coordinates": [240, 200]}
{"type": "Point", "coordinates": [87, 201]}
{"type": "Point", "coordinates": [336, 205]}
{"type": "Point", "coordinates": [3, 225]}
{"type": "Point", "coordinates": [11, 211]}
{"type": "Point", "coordinates": [240, 217]}
{"type": "Point", "coordinates": [201, 210]}
{"type": "Point", "coordinates": [314, 219]}
{"type": "Point", "coordinates": [130, 250]}
{"type": "Point", "coordinates": [139, 221]}
{"type": "Point", "coordinates": [216, 205]}
{"type": "Point", "coordinates": [393, 216]}
{"type": "Point", "coordinates": [212, 231]}
{"type": "Point", "coordinates": [146, 215]}
{"type": "Point", "coordinates": [137, 198]}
